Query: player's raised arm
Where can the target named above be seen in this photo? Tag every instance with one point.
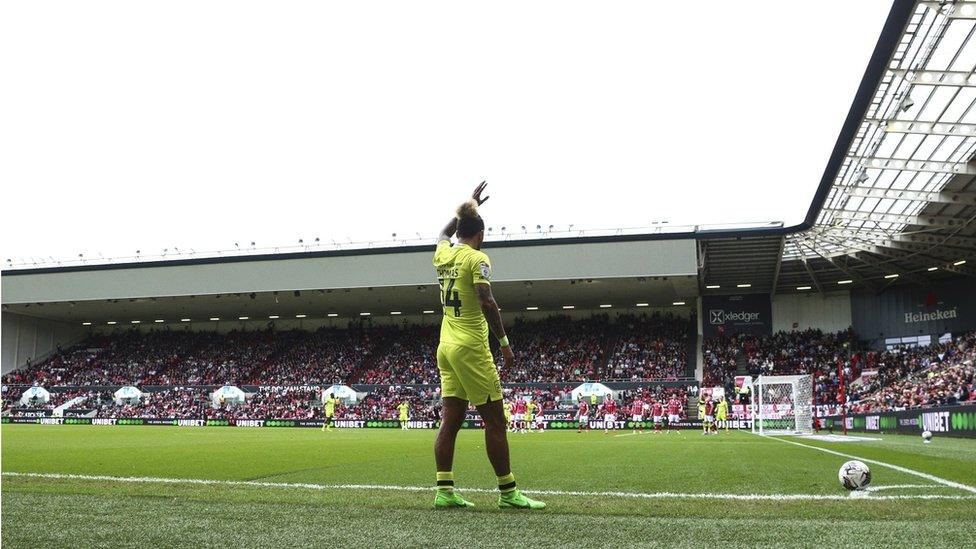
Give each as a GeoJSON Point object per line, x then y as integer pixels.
{"type": "Point", "coordinates": [448, 231]}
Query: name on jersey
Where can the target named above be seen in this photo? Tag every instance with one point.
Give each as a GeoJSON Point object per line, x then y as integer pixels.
{"type": "Point", "coordinates": [451, 272]}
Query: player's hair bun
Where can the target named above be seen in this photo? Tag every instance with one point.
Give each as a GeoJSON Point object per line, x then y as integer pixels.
{"type": "Point", "coordinates": [468, 209]}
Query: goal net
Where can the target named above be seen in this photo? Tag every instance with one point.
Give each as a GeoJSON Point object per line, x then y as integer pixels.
{"type": "Point", "coordinates": [783, 405]}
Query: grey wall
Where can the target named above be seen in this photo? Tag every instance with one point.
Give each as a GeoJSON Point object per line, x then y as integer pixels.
{"type": "Point", "coordinates": [23, 337]}
{"type": "Point", "coordinates": [537, 262]}
{"type": "Point", "coordinates": [946, 306]}
{"type": "Point", "coordinates": [830, 313]}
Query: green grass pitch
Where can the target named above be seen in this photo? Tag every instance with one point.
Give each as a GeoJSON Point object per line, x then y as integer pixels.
{"type": "Point", "coordinates": [608, 489]}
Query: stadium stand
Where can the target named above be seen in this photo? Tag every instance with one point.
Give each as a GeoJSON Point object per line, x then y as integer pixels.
{"type": "Point", "coordinates": [920, 377]}
{"type": "Point", "coordinates": [285, 366]}
{"type": "Point", "coordinates": [784, 353]}
{"type": "Point", "coordinates": [649, 347]}
{"type": "Point", "coordinates": [556, 349]}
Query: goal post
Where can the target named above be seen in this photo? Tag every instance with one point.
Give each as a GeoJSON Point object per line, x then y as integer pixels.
{"type": "Point", "coordinates": [783, 405]}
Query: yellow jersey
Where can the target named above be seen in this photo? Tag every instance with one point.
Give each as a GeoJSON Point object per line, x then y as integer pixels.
{"type": "Point", "coordinates": [404, 409]}
{"type": "Point", "coordinates": [459, 268]}
{"type": "Point", "coordinates": [723, 407]}
{"type": "Point", "coordinates": [530, 410]}
{"type": "Point", "coordinates": [330, 406]}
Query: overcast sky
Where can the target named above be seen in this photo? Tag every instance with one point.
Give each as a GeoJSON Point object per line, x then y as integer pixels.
{"type": "Point", "coordinates": [148, 125]}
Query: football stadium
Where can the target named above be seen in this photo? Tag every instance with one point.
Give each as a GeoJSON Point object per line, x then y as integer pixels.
{"type": "Point", "coordinates": [743, 384]}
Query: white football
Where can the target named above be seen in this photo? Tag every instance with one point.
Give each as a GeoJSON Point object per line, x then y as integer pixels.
{"type": "Point", "coordinates": [854, 475]}
{"type": "Point", "coordinates": [926, 435]}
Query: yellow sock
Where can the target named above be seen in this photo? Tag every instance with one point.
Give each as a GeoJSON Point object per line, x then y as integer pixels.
{"type": "Point", "coordinates": [506, 483]}
{"type": "Point", "coordinates": [445, 481]}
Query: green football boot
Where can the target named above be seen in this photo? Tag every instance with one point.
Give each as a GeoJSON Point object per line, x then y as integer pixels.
{"type": "Point", "coordinates": [515, 500]}
{"type": "Point", "coordinates": [447, 500]}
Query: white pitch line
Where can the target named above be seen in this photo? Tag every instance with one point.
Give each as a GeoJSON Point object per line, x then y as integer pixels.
{"type": "Point", "coordinates": [644, 433]}
{"type": "Point", "coordinates": [897, 487]}
{"type": "Point", "coordinates": [899, 468]}
{"type": "Point", "coordinates": [395, 488]}
{"type": "Point", "coordinates": [630, 434]}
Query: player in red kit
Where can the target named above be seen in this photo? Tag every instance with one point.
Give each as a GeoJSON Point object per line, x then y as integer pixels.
{"type": "Point", "coordinates": [674, 412]}
{"type": "Point", "coordinates": [609, 414]}
{"type": "Point", "coordinates": [709, 423]}
{"type": "Point", "coordinates": [657, 411]}
{"type": "Point", "coordinates": [637, 414]}
{"type": "Point", "coordinates": [520, 415]}
{"type": "Point", "coordinates": [582, 416]}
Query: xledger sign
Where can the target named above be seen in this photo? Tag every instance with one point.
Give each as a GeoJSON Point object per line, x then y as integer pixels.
{"type": "Point", "coordinates": [736, 314]}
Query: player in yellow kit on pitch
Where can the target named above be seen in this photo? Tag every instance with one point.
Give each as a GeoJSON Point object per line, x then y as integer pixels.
{"type": "Point", "coordinates": [530, 407]}
{"type": "Point", "coordinates": [404, 409]}
{"type": "Point", "coordinates": [467, 369]}
{"type": "Point", "coordinates": [722, 413]}
{"type": "Point", "coordinates": [329, 405]}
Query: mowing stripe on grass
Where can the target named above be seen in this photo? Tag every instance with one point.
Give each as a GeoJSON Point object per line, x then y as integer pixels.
{"type": "Point", "coordinates": [899, 468]}
{"type": "Point", "coordinates": [395, 488]}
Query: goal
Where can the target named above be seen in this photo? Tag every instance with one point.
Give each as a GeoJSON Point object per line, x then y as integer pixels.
{"type": "Point", "coordinates": [783, 405]}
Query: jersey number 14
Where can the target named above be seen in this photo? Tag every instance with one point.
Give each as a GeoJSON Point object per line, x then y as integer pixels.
{"type": "Point", "coordinates": [450, 296]}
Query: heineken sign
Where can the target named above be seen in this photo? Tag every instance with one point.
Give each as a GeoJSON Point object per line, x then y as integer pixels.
{"type": "Point", "coordinates": [938, 314]}
{"type": "Point", "coordinates": [913, 310]}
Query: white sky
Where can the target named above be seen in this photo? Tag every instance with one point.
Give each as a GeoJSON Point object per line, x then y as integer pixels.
{"type": "Point", "coordinates": [149, 125]}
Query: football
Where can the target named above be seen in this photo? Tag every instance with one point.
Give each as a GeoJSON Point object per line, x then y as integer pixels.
{"type": "Point", "coordinates": [854, 475]}
{"type": "Point", "coordinates": [927, 436]}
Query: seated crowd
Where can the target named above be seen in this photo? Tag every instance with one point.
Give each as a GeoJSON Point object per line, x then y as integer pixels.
{"type": "Point", "coordinates": [648, 347]}
{"type": "Point", "coordinates": [410, 358]}
{"type": "Point", "coordinates": [917, 377]}
{"type": "Point", "coordinates": [382, 404]}
{"type": "Point", "coordinates": [553, 350]}
{"type": "Point", "coordinates": [557, 349]}
{"type": "Point", "coordinates": [176, 403]}
{"type": "Point", "coordinates": [784, 353]}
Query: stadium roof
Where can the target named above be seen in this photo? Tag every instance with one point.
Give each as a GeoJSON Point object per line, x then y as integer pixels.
{"type": "Point", "coordinates": [896, 201]}
{"type": "Point", "coordinates": [898, 198]}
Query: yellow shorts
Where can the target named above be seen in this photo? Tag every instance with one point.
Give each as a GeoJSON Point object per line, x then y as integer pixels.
{"type": "Point", "coordinates": [721, 417]}
{"type": "Point", "coordinates": [468, 374]}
